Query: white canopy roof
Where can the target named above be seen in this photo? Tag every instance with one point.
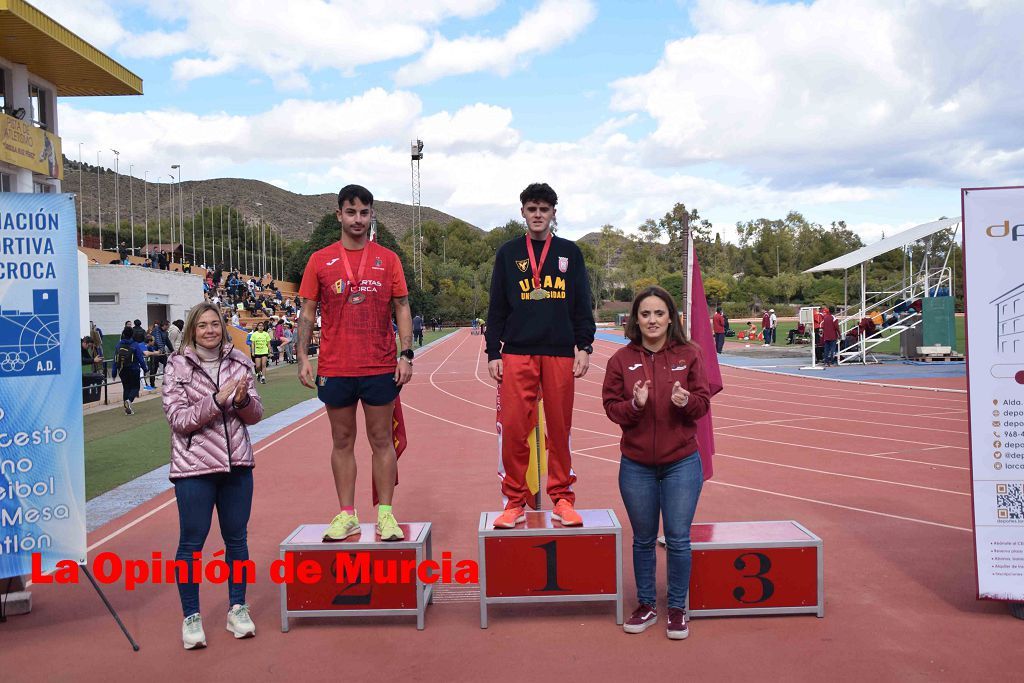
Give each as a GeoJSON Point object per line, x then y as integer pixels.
{"type": "Point", "coordinates": [864, 254]}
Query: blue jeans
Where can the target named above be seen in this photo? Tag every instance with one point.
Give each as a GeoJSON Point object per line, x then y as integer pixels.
{"type": "Point", "coordinates": [669, 492]}
{"type": "Point", "coordinates": [231, 493]}
{"type": "Point", "coordinates": [829, 355]}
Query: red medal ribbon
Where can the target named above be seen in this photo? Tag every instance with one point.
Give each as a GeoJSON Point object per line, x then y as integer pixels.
{"type": "Point", "coordinates": [348, 266]}
{"type": "Point", "coordinates": [533, 259]}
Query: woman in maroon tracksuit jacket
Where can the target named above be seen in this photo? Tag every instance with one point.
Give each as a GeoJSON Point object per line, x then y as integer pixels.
{"type": "Point", "coordinates": [656, 390]}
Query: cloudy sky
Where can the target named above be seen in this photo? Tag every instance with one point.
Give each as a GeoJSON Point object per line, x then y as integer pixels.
{"type": "Point", "coordinates": [871, 111]}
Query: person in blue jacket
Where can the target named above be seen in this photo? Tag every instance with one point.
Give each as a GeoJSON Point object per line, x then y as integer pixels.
{"type": "Point", "coordinates": [130, 358]}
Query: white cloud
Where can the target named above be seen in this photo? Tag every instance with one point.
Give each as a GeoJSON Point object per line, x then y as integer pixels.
{"type": "Point", "coordinates": [156, 44]}
{"type": "Point", "coordinates": [476, 161]}
{"type": "Point", "coordinates": [92, 20]}
{"type": "Point", "coordinates": [875, 92]}
{"type": "Point", "coordinates": [280, 39]}
{"type": "Point", "coordinates": [551, 24]}
{"type": "Point", "coordinates": [287, 40]}
{"type": "Point", "coordinates": [478, 127]}
{"type": "Point", "coordinates": [295, 131]}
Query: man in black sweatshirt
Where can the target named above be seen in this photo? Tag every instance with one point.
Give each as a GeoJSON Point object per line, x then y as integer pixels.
{"type": "Point", "coordinates": [540, 332]}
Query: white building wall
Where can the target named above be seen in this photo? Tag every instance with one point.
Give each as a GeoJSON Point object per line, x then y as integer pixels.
{"type": "Point", "coordinates": [134, 288]}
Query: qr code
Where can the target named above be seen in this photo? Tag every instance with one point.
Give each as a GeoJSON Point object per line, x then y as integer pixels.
{"type": "Point", "coordinates": [1010, 501]}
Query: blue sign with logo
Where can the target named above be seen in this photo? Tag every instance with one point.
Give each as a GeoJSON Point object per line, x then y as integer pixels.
{"type": "Point", "coordinates": [42, 457]}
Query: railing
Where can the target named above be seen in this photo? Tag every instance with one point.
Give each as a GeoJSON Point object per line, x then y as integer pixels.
{"type": "Point", "coordinates": [916, 289]}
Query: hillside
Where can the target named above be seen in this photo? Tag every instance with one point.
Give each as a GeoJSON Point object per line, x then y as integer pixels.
{"type": "Point", "coordinates": [287, 211]}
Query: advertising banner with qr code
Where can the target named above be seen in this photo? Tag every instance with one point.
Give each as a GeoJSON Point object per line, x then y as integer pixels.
{"type": "Point", "coordinates": [993, 239]}
{"type": "Point", "coordinates": [42, 456]}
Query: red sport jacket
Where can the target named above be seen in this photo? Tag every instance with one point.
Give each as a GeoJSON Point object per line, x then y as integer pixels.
{"type": "Point", "coordinates": [659, 433]}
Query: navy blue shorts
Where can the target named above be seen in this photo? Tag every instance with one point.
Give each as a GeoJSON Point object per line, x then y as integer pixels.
{"type": "Point", "coordinates": [372, 390]}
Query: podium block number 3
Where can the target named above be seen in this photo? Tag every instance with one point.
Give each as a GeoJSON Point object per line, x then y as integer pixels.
{"type": "Point", "coordinates": [763, 565]}
{"type": "Point", "coordinates": [551, 567]}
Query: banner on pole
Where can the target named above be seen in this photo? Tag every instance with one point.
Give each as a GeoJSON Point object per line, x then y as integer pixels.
{"type": "Point", "coordinates": [42, 459]}
{"type": "Point", "coordinates": [993, 240]}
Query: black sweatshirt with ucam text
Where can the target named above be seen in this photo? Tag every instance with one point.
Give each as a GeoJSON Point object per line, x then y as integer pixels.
{"type": "Point", "coordinates": [555, 326]}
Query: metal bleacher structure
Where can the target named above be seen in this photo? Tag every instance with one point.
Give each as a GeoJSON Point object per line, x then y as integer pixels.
{"type": "Point", "coordinates": [238, 336]}
{"type": "Point", "coordinates": [931, 276]}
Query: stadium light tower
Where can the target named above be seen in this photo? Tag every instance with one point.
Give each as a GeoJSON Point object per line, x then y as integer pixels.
{"type": "Point", "coordinates": [117, 199]}
{"type": "Point", "coordinates": [416, 147]}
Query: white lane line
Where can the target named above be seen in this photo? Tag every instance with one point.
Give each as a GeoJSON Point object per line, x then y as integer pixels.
{"type": "Point", "coordinates": [880, 456]}
{"type": "Point", "coordinates": [842, 507]}
{"type": "Point", "coordinates": [812, 500]}
{"type": "Point", "coordinates": [839, 474]}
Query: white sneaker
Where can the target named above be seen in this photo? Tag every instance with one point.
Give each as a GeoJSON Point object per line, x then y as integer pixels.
{"type": "Point", "coordinates": [240, 623]}
{"type": "Point", "coordinates": [192, 634]}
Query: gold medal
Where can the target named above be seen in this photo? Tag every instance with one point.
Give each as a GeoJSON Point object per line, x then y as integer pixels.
{"type": "Point", "coordinates": [538, 294]}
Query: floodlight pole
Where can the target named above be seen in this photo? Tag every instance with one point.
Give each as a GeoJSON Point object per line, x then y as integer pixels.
{"type": "Point", "coordinates": [145, 202]}
{"type": "Point", "coordinates": [131, 204]}
{"type": "Point", "coordinates": [416, 148]}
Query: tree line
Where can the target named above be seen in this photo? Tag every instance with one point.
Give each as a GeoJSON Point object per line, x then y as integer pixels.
{"type": "Point", "coordinates": [765, 268]}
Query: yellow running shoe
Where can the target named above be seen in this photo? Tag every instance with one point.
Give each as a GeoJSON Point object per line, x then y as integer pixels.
{"type": "Point", "coordinates": [342, 526]}
{"type": "Point", "coordinates": [387, 527]}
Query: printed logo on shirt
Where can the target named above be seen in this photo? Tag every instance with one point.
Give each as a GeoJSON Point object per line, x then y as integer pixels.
{"type": "Point", "coordinates": [378, 264]}
{"type": "Point", "coordinates": [522, 265]}
{"type": "Point", "coordinates": [563, 264]}
{"type": "Point", "coordinates": [555, 287]}
{"type": "Point", "coordinates": [339, 286]}
{"type": "Point", "coordinates": [331, 262]}
{"type": "Point", "coordinates": [681, 366]}
{"type": "Point", "coordinates": [635, 366]}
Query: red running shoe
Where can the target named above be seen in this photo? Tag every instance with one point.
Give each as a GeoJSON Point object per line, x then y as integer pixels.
{"type": "Point", "coordinates": [565, 514]}
{"type": "Point", "coordinates": [508, 519]}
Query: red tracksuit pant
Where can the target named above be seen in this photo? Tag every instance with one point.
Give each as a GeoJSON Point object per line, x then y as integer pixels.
{"type": "Point", "coordinates": [522, 377]}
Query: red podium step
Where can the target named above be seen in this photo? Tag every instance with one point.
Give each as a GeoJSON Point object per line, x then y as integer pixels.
{"type": "Point", "coordinates": [543, 561]}
{"type": "Point", "coordinates": [750, 568]}
{"type": "Point", "coordinates": [355, 594]}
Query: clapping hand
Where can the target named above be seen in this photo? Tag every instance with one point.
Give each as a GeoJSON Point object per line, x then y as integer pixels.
{"type": "Point", "coordinates": [640, 391]}
{"type": "Point", "coordinates": [227, 391]}
{"type": "Point", "coordinates": [241, 393]}
{"type": "Point", "coordinates": [680, 396]}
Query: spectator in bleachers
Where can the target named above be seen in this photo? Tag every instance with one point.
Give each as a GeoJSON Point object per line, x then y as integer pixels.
{"type": "Point", "coordinates": [288, 343]}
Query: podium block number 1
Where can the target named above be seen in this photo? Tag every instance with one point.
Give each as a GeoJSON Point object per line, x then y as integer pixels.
{"type": "Point", "coordinates": [551, 563]}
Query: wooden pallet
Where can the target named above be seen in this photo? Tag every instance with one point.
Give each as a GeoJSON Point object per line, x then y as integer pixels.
{"type": "Point", "coordinates": [944, 358]}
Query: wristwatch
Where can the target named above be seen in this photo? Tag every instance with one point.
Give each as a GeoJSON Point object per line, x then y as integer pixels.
{"type": "Point", "coordinates": [407, 354]}
{"type": "Point", "coordinates": [588, 348]}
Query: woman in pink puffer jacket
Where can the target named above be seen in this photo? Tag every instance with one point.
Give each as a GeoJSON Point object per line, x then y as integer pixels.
{"type": "Point", "coordinates": [209, 397]}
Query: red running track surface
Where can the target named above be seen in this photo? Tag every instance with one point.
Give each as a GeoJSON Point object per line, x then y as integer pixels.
{"type": "Point", "coordinates": [880, 474]}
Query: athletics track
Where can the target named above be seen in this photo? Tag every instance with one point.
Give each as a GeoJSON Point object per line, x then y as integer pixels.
{"type": "Point", "coordinates": [886, 485]}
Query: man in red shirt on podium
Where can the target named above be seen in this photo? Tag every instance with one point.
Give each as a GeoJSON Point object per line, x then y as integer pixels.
{"type": "Point", "coordinates": [356, 282]}
{"type": "Point", "coordinates": [539, 337]}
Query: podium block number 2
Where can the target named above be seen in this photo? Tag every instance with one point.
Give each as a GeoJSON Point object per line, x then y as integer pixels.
{"type": "Point", "coordinates": [759, 564]}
